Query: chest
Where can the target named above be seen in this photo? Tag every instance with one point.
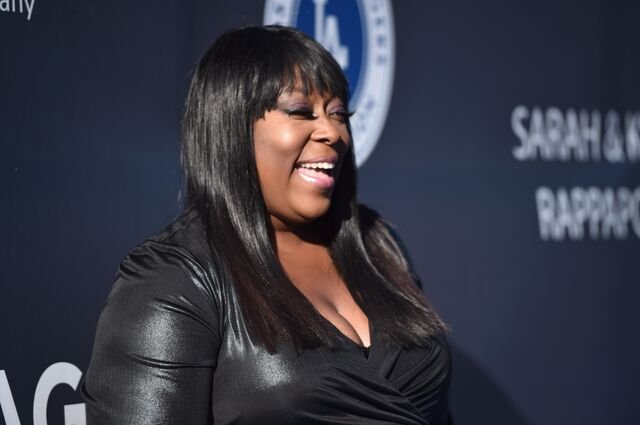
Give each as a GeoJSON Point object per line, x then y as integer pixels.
{"type": "Point", "coordinates": [326, 386]}
{"type": "Point", "coordinates": [322, 286]}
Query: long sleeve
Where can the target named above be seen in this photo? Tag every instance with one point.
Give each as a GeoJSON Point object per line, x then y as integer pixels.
{"type": "Point", "coordinates": [156, 344]}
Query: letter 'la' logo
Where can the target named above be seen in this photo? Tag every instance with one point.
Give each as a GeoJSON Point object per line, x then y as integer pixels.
{"type": "Point", "coordinates": [359, 34]}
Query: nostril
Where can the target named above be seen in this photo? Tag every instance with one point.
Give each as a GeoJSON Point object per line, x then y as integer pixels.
{"type": "Point", "coordinates": [326, 131]}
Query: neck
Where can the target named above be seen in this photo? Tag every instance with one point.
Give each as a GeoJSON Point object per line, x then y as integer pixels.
{"type": "Point", "coordinates": [289, 238]}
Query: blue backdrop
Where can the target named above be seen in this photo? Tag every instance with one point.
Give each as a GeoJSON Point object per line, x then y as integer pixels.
{"type": "Point", "coordinates": [509, 162]}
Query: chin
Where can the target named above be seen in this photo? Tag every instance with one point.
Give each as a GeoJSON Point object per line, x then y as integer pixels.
{"type": "Point", "coordinates": [313, 210]}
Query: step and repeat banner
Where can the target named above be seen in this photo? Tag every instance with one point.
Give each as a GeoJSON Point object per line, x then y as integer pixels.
{"type": "Point", "coordinates": [502, 139]}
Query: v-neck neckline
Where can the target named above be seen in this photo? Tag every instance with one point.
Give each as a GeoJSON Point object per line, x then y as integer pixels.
{"type": "Point", "coordinates": [365, 350]}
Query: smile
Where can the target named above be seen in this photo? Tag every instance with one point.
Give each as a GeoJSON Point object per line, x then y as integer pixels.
{"type": "Point", "coordinates": [319, 174]}
{"type": "Point", "coordinates": [315, 165]}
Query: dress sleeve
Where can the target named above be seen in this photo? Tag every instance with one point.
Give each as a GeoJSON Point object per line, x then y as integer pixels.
{"type": "Point", "coordinates": [156, 344]}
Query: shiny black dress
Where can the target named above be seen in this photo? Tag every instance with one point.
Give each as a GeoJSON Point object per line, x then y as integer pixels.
{"type": "Point", "coordinates": [172, 348]}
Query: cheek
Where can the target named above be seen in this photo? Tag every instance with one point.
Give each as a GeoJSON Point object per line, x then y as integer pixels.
{"type": "Point", "coordinates": [346, 138]}
{"type": "Point", "coordinates": [276, 152]}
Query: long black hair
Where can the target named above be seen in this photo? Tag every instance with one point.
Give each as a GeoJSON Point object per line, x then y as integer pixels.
{"type": "Point", "coordinates": [238, 79]}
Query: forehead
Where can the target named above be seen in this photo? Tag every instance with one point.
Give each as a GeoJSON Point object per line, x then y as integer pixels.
{"type": "Point", "coordinates": [309, 95]}
{"type": "Point", "coordinates": [308, 85]}
{"type": "Point", "coordinates": [309, 89]}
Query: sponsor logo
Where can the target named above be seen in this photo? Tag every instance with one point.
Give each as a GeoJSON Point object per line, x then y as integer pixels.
{"type": "Point", "coordinates": [579, 136]}
{"type": "Point", "coordinates": [18, 6]}
{"type": "Point", "coordinates": [360, 36]}
{"type": "Point", "coordinates": [56, 374]}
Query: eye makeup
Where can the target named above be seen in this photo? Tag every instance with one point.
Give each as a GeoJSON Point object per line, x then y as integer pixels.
{"type": "Point", "coordinates": [299, 111]}
{"type": "Point", "coordinates": [302, 109]}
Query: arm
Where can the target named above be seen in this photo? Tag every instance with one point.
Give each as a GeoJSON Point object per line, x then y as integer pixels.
{"type": "Point", "coordinates": [156, 344]}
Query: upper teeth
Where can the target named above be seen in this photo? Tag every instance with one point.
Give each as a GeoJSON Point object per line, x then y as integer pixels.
{"type": "Point", "coordinates": [324, 165]}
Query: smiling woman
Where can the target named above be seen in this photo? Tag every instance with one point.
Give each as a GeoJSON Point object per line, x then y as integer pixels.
{"type": "Point", "coordinates": [275, 298]}
{"type": "Point", "coordinates": [299, 149]}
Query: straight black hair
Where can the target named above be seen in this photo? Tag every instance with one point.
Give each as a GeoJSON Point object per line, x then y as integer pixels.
{"type": "Point", "coordinates": [238, 79]}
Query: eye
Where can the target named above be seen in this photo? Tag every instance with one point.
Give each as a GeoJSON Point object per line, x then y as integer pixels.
{"type": "Point", "coordinates": [341, 115]}
{"type": "Point", "coordinates": [304, 113]}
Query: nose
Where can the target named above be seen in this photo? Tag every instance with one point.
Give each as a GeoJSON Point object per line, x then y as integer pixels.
{"type": "Point", "coordinates": [326, 131]}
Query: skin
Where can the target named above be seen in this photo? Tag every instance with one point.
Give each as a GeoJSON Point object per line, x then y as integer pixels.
{"type": "Point", "coordinates": [305, 127]}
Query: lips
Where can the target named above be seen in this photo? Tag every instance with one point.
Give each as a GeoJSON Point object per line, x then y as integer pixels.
{"type": "Point", "coordinates": [318, 171]}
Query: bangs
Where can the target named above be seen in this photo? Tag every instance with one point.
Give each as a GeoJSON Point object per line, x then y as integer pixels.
{"type": "Point", "coordinates": [294, 62]}
{"type": "Point", "coordinates": [300, 74]}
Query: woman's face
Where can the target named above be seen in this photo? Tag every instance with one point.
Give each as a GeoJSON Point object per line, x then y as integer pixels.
{"type": "Point", "coordinates": [299, 148]}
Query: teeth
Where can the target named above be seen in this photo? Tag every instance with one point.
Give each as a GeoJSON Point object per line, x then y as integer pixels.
{"type": "Point", "coordinates": [323, 165]}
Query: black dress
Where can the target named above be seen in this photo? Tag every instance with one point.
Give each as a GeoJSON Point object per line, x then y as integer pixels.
{"type": "Point", "coordinates": [172, 348]}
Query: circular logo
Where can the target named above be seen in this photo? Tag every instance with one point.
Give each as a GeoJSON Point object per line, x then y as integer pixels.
{"type": "Point", "coordinates": [359, 34]}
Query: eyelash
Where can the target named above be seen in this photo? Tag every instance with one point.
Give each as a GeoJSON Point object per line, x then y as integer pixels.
{"type": "Point", "coordinates": [343, 115]}
{"type": "Point", "coordinates": [301, 112]}
{"type": "Point", "coordinates": [308, 114]}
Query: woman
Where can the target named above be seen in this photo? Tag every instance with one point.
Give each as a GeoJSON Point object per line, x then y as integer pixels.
{"type": "Point", "coordinates": [274, 298]}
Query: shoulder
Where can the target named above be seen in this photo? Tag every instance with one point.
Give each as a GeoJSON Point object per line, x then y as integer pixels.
{"type": "Point", "coordinates": [171, 270]}
{"type": "Point", "coordinates": [181, 245]}
{"type": "Point", "coordinates": [165, 289]}
{"type": "Point", "coordinates": [385, 234]}
{"type": "Point", "coordinates": [382, 235]}
{"type": "Point", "coordinates": [185, 236]}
